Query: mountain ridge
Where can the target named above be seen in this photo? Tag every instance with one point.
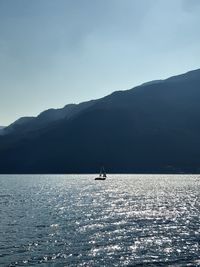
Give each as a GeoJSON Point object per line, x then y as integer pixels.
{"type": "Point", "coordinates": [28, 124]}
{"type": "Point", "coordinates": [152, 128]}
{"type": "Point", "coordinates": [54, 112]}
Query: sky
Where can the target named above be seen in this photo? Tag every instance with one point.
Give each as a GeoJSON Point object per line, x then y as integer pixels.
{"type": "Point", "coordinates": [56, 52]}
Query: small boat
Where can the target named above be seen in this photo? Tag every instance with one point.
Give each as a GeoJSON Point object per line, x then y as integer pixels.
{"type": "Point", "coordinates": [102, 175]}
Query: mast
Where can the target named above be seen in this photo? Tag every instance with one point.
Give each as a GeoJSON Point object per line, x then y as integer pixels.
{"type": "Point", "coordinates": [100, 174]}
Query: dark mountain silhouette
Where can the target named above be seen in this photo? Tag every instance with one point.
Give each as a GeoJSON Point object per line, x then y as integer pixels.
{"type": "Point", "coordinates": [28, 124]}
{"type": "Point", "coordinates": [151, 82]}
{"type": "Point", "coordinates": [1, 129]}
{"type": "Point", "coordinates": [153, 128]}
{"type": "Point", "coordinates": [17, 124]}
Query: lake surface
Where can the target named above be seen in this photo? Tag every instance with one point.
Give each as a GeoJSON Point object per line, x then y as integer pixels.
{"type": "Point", "coordinates": [72, 220]}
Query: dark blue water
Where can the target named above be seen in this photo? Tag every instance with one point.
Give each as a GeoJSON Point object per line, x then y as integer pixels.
{"type": "Point", "coordinates": [72, 220]}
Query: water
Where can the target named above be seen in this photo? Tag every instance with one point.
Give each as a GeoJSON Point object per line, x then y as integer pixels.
{"type": "Point", "coordinates": [72, 220]}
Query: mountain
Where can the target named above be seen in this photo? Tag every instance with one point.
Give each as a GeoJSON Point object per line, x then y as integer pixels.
{"type": "Point", "coordinates": [26, 125]}
{"type": "Point", "coordinates": [151, 82]}
{"type": "Point", "coordinates": [1, 129]}
{"type": "Point", "coordinates": [153, 128]}
{"type": "Point", "coordinates": [17, 124]}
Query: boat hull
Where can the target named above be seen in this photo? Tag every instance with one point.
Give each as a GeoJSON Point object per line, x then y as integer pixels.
{"type": "Point", "coordinates": [100, 178]}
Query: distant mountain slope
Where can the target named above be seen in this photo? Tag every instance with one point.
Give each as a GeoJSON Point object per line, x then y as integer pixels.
{"type": "Point", "coordinates": [1, 129]}
{"type": "Point", "coordinates": [25, 125]}
{"type": "Point", "coordinates": [17, 124]}
{"type": "Point", "coordinates": [153, 128]}
{"type": "Point", "coordinates": [151, 82]}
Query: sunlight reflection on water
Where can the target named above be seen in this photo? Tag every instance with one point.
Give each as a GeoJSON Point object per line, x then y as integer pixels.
{"type": "Point", "coordinates": [72, 220]}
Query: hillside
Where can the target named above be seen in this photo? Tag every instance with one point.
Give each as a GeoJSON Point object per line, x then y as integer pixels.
{"type": "Point", "coordinates": [26, 125]}
{"type": "Point", "coordinates": [153, 128]}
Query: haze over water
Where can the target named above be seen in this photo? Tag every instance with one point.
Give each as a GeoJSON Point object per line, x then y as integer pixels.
{"type": "Point", "coordinates": [72, 220]}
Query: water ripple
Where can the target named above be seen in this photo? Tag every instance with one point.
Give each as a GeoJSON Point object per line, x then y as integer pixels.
{"type": "Point", "coordinates": [128, 220]}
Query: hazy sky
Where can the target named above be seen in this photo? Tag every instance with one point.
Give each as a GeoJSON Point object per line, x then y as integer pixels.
{"type": "Point", "coordinates": [55, 52]}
